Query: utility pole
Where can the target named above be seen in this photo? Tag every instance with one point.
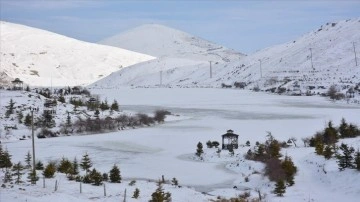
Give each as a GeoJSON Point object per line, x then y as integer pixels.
{"type": "Point", "coordinates": [260, 69]}
{"type": "Point", "coordinates": [160, 78]}
{"type": "Point", "coordinates": [312, 66]}
{"type": "Point", "coordinates": [210, 70]}
{"type": "Point", "coordinates": [33, 180]}
{"type": "Point", "coordinates": [355, 53]}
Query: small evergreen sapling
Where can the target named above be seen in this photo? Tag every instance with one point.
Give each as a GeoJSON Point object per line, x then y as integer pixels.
{"type": "Point", "coordinates": [199, 149]}
{"type": "Point", "coordinates": [28, 160]}
{"type": "Point", "coordinates": [18, 172]}
{"type": "Point", "coordinates": [136, 193]}
{"type": "Point", "coordinates": [86, 163]}
{"type": "Point", "coordinates": [39, 165]}
{"type": "Point", "coordinates": [96, 177]}
{"type": "Point", "coordinates": [280, 188]}
{"type": "Point", "coordinates": [345, 160]}
{"type": "Point", "coordinates": [159, 195]}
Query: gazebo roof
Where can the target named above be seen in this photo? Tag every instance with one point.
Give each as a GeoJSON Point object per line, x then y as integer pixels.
{"type": "Point", "coordinates": [17, 80]}
{"type": "Point", "coordinates": [230, 133]}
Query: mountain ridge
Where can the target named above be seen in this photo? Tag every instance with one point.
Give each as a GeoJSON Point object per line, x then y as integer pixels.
{"type": "Point", "coordinates": [162, 41]}
{"type": "Point", "coordinates": [43, 58]}
{"type": "Point", "coordinates": [318, 59]}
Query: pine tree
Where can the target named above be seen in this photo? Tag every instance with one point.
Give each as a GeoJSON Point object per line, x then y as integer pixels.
{"type": "Point", "coordinates": [136, 193]}
{"type": "Point", "coordinates": [61, 99]}
{"type": "Point", "coordinates": [343, 128]}
{"type": "Point", "coordinates": [96, 114]}
{"type": "Point", "coordinates": [199, 149]}
{"type": "Point", "coordinates": [5, 159]}
{"type": "Point", "coordinates": [18, 172]}
{"type": "Point", "coordinates": [319, 148]}
{"type": "Point", "coordinates": [357, 160]}
{"type": "Point", "coordinates": [28, 160]}
{"type": "Point", "coordinates": [65, 166]}
{"type": "Point", "coordinates": [174, 182]}
{"type": "Point", "coordinates": [290, 170]}
{"type": "Point", "coordinates": [48, 119]}
{"type": "Point", "coordinates": [345, 160]}
{"type": "Point", "coordinates": [75, 166]}
{"type": "Point", "coordinates": [330, 134]}
{"type": "Point", "coordinates": [159, 195]}
{"type": "Point", "coordinates": [68, 120]}
{"type": "Point", "coordinates": [49, 170]}
{"type": "Point", "coordinates": [27, 120]}
{"type": "Point", "coordinates": [86, 163]}
{"type": "Point", "coordinates": [115, 176]}
{"type": "Point", "coordinates": [32, 176]}
{"type": "Point", "coordinates": [96, 177]}
{"type": "Point", "coordinates": [10, 108]}
{"type": "Point", "coordinates": [105, 177]}
{"type": "Point", "coordinates": [115, 106]}
{"type": "Point", "coordinates": [280, 188]}
{"type": "Point", "coordinates": [274, 149]}
{"type": "Point", "coordinates": [20, 116]}
{"type": "Point", "coordinates": [328, 152]}
{"type": "Point", "coordinates": [7, 176]}
{"type": "Point", "coordinates": [39, 165]}
{"type": "Point", "coordinates": [27, 88]}
{"type": "Point", "coordinates": [209, 144]}
{"type": "Point", "coordinates": [247, 143]}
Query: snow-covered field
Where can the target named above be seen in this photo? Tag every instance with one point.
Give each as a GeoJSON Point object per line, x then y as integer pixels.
{"type": "Point", "coordinates": [168, 149]}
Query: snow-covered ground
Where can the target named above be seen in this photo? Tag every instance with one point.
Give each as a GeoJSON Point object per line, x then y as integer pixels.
{"type": "Point", "coordinates": [168, 149]}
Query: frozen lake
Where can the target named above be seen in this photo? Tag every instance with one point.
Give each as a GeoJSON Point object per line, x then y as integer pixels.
{"type": "Point", "coordinates": [159, 150]}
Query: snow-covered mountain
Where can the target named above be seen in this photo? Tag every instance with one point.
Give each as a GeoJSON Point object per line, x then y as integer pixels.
{"type": "Point", "coordinates": [161, 41]}
{"type": "Point", "coordinates": [42, 58]}
{"type": "Point", "coordinates": [330, 48]}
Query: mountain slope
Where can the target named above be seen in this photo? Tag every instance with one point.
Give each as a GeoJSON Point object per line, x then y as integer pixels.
{"type": "Point", "coordinates": [285, 65]}
{"type": "Point", "coordinates": [42, 58]}
{"type": "Point", "coordinates": [161, 41]}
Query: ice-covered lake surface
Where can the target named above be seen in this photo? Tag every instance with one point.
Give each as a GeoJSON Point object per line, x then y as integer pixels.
{"type": "Point", "coordinates": [204, 114]}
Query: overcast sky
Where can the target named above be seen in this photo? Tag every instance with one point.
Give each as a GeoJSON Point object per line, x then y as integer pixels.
{"type": "Point", "coordinates": [245, 26]}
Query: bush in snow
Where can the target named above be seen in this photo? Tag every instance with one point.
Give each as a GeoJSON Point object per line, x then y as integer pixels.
{"type": "Point", "coordinates": [49, 170]}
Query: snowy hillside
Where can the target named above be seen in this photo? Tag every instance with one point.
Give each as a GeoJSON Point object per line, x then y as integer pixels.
{"type": "Point", "coordinates": [42, 58]}
{"type": "Point", "coordinates": [286, 65]}
{"type": "Point", "coordinates": [321, 57]}
{"type": "Point", "coordinates": [161, 41]}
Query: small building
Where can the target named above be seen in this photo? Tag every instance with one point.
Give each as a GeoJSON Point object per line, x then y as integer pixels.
{"type": "Point", "coordinates": [50, 106]}
{"type": "Point", "coordinates": [350, 93]}
{"type": "Point", "coordinates": [230, 140]}
{"type": "Point", "coordinates": [17, 84]}
{"type": "Point", "coordinates": [76, 90]}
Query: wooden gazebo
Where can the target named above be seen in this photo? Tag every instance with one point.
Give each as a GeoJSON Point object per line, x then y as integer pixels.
{"type": "Point", "coordinates": [17, 84]}
{"type": "Point", "coordinates": [230, 140]}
